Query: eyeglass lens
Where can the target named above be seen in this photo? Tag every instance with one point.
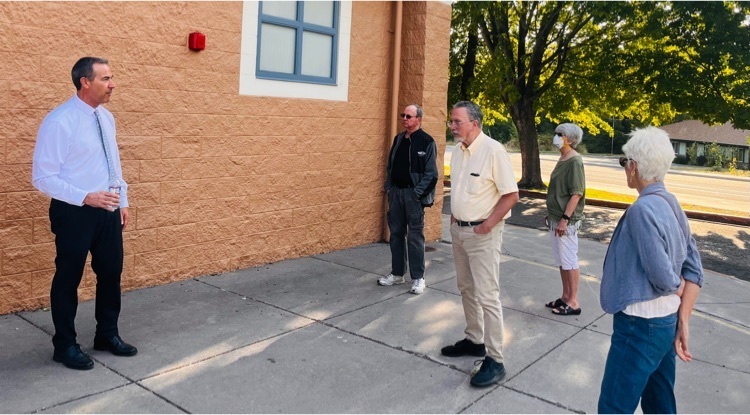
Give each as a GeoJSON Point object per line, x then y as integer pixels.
{"type": "Point", "coordinates": [407, 116]}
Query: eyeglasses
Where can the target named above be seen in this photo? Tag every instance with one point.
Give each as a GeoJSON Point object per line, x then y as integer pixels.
{"type": "Point", "coordinates": [456, 122]}
{"type": "Point", "coordinates": [407, 116]}
{"type": "Point", "coordinates": [624, 160]}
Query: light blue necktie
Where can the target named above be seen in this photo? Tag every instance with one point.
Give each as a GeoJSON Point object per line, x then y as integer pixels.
{"type": "Point", "coordinates": [107, 151]}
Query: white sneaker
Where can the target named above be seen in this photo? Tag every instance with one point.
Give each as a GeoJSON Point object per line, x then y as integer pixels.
{"type": "Point", "coordinates": [391, 279]}
{"type": "Point", "coordinates": [417, 286]}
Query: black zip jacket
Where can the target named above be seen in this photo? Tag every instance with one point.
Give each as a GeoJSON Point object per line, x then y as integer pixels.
{"type": "Point", "coordinates": [422, 165]}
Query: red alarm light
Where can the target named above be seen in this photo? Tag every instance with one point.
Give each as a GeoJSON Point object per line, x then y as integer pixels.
{"type": "Point", "coordinates": [196, 41]}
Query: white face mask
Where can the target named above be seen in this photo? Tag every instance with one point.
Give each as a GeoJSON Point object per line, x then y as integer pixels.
{"type": "Point", "coordinates": [557, 141]}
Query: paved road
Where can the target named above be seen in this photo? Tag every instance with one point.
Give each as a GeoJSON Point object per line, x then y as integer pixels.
{"type": "Point", "coordinates": [723, 248]}
{"type": "Point", "coordinates": [701, 189]}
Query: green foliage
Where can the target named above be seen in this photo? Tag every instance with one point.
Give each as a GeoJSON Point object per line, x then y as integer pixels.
{"type": "Point", "coordinates": [501, 130]}
{"type": "Point", "coordinates": [715, 156]}
{"type": "Point", "coordinates": [701, 64]}
{"type": "Point", "coordinates": [590, 62]}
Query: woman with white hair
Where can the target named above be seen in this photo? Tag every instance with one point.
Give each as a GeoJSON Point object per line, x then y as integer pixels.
{"type": "Point", "coordinates": [651, 279]}
{"type": "Point", "coordinates": [565, 202]}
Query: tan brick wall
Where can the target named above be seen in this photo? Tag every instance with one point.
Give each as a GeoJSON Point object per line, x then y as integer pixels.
{"type": "Point", "coordinates": [218, 181]}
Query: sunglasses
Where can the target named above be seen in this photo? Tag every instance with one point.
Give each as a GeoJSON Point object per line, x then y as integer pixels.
{"type": "Point", "coordinates": [624, 160]}
{"type": "Point", "coordinates": [407, 116]}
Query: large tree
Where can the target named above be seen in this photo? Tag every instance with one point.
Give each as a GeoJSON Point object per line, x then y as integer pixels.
{"type": "Point", "coordinates": [588, 62]}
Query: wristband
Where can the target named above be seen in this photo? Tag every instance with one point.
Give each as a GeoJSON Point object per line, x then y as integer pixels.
{"type": "Point", "coordinates": [566, 217]}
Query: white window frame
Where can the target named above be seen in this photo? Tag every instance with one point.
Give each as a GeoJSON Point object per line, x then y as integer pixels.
{"type": "Point", "coordinates": [250, 84]}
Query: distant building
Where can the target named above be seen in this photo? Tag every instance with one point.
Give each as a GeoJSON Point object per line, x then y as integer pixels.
{"type": "Point", "coordinates": [734, 142]}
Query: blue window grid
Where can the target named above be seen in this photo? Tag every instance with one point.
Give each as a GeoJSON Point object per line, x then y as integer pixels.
{"type": "Point", "coordinates": [300, 27]}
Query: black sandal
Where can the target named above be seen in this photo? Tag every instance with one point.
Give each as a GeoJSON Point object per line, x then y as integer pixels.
{"type": "Point", "coordinates": [566, 310]}
{"type": "Point", "coordinates": [554, 304]}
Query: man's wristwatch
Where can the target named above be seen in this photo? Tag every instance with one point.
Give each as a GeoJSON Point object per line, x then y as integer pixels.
{"type": "Point", "coordinates": [566, 217]}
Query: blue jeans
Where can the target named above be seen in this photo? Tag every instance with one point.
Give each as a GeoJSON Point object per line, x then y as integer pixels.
{"type": "Point", "coordinates": [640, 365]}
{"type": "Point", "coordinates": [406, 222]}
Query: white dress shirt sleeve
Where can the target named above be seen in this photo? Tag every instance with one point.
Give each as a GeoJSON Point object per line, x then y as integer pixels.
{"type": "Point", "coordinates": [51, 150]}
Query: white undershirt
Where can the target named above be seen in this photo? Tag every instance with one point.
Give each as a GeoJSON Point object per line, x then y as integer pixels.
{"type": "Point", "coordinates": [658, 307]}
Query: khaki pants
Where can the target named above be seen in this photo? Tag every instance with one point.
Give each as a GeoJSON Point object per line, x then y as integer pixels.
{"type": "Point", "coordinates": [477, 260]}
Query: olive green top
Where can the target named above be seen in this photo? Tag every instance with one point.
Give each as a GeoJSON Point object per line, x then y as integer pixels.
{"type": "Point", "coordinates": [566, 180]}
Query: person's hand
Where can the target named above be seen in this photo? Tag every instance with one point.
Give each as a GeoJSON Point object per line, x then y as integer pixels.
{"type": "Point", "coordinates": [102, 199]}
{"type": "Point", "coordinates": [681, 342]}
{"type": "Point", "coordinates": [482, 229]}
{"type": "Point", "coordinates": [453, 220]}
{"type": "Point", "coordinates": [561, 228]}
{"type": "Point", "coordinates": [124, 215]}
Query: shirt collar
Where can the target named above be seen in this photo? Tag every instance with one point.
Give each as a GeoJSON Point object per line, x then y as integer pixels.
{"type": "Point", "coordinates": [656, 187]}
{"type": "Point", "coordinates": [86, 108]}
{"type": "Point", "coordinates": [474, 144]}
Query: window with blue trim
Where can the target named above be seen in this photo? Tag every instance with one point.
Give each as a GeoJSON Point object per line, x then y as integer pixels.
{"type": "Point", "coordinates": [298, 41]}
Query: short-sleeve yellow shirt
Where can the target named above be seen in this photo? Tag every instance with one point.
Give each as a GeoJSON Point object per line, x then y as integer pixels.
{"type": "Point", "coordinates": [480, 175]}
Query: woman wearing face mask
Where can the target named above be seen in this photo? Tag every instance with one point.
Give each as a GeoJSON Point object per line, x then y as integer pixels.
{"type": "Point", "coordinates": [565, 202]}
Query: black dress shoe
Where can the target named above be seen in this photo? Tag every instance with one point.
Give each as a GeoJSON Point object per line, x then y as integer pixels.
{"type": "Point", "coordinates": [490, 373]}
{"type": "Point", "coordinates": [115, 345]}
{"type": "Point", "coordinates": [73, 358]}
{"type": "Point", "coordinates": [464, 348]}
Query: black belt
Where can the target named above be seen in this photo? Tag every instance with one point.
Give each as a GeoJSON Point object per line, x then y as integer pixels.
{"type": "Point", "coordinates": [408, 186]}
{"type": "Point", "coordinates": [464, 224]}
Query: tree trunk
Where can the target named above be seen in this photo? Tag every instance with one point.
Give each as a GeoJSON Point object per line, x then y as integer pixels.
{"type": "Point", "coordinates": [467, 74]}
{"type": "Point", "coordinates": [531, 173]}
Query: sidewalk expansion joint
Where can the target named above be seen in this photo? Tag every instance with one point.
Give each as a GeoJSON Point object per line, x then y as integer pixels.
{"type": "Point", "coordinates": [42, 329]}
{"type": "Point", "coordinates": [330, 325]}
{"type": "Point", "coordinates": [556, 404]}
{"type": "Point", "coordinates": [104, 365]}
{"type": "Point", "coordinates": [545, 355]}
{"type": "Point", "coordinates": [36, 411]}
{"type": "Point", "coordinates": [398, 348]}
{"type": "Point", "coordinates": [723, 321]}
{"type": "Point", "coordinates": [164, 398]}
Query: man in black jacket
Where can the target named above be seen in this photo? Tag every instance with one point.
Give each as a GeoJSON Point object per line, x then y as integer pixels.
{"type": "Point", "coordinates": [411, 176]}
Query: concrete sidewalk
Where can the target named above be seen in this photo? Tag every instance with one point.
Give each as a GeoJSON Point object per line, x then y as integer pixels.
{"type": "Point", "coordinates": [317, 334]}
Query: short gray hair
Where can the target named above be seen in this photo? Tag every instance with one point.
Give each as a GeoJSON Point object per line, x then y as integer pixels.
{"type": "Point", "coordinates": [652, 151]}
{"type": "Point", "coordinates": [420, 113]}
{"type": "Point", "coordinates": [475, 112]}
{"type": "Point", "coordinates": [572, 131]}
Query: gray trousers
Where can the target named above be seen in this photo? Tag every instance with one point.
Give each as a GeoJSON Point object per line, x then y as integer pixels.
{"type": "Point", "coordinates": [406, 222]}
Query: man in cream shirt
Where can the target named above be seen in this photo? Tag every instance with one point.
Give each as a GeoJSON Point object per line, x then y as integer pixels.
{"type": "Point", "coordinates": [483, 191]}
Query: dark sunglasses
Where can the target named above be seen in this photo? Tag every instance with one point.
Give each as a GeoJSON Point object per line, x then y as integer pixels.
{"type": "Point", "coordinates": [407, 116]}
{"type": "Point", "coordinates": [624, 160]}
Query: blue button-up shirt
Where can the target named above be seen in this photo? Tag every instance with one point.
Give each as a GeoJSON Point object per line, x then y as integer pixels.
{"type": "Point", "coordinates": [650, 248]}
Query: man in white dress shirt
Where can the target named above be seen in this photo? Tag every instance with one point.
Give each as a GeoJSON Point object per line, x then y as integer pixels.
{"type": "Point", "coordinates": [77, 164]}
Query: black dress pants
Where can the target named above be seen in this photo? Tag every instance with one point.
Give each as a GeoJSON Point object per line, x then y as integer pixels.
{"type": "Point", "coordinates": [78, 230]}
